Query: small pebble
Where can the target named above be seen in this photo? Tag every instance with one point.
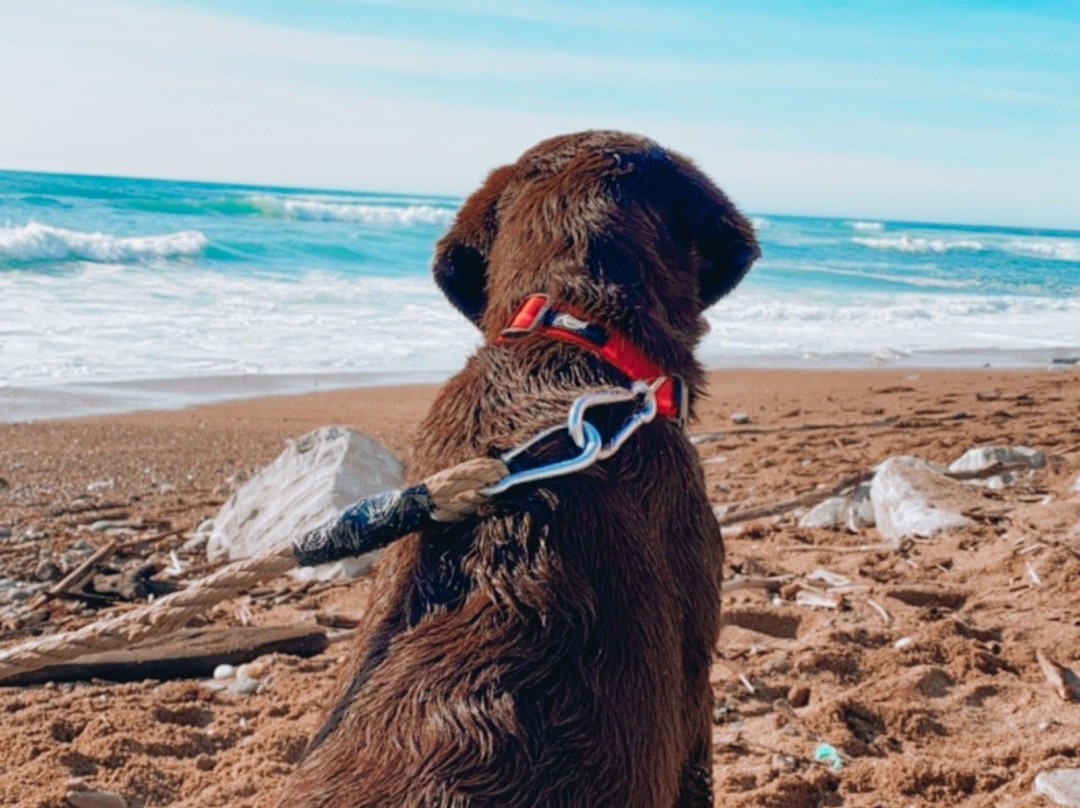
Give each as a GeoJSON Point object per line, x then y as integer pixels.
{"type": "Point", "coordinates": [224, 672]}
{"type": "Point", "coordinates": [5, 533]}
{"type": "Point", "coordinates": [47, 570]}
{"type": "Point", "coordinates": [740, 418]}
{"type": "Point", "coordinates": [903, 642]}
{"type": "Point", "coordinates": [252, 670]}
{"type": "Point", "coordinates": [244, 687]}
{"type": "Point", "coordinates": [100, 485]}
{"type": "Point", "coordinates": [95, 799]}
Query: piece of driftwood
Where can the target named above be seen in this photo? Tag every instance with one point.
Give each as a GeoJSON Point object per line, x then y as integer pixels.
{"type": "Point", "coordinates": [809, 498]}
{"type": "Point", "coordinates": [1065, 683]}
{"type": "Point", "coordinates": [74, 579]}
{"type": "Point", "coordinates": [706, 437]}
{"type": "Point", "coordinates": [185, 654]}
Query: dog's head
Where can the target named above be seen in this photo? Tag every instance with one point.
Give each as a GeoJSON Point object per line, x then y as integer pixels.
{"type": "Point", "coordinates": [608, 221]}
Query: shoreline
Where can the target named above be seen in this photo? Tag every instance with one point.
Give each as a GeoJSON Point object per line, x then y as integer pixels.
{"type": "Point", "coordinates": [78, 399]}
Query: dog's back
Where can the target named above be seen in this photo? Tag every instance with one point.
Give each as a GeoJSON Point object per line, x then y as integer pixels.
{"type": "Point", "coordinates": [554, 649]}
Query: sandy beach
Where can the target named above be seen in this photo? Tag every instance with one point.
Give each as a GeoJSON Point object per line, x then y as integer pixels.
{"type": "Point", "coordinates": [931, 699]}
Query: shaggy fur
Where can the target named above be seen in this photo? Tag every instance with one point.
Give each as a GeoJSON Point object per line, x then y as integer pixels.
{"type": "Point", "coordinates": [554, 650]}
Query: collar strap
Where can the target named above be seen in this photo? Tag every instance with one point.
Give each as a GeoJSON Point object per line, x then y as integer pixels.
{"type": "Point", "coordinates": [538, 315]}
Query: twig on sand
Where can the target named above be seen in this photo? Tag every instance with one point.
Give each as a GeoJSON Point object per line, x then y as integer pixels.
{"type": "Point", "coordinates": [79, 574]}
{"type": "Point", "coordinates": [822, 548]}
{"type": "Point", "coordinates": [772, 583]}
{"type": "Point", "coordinates": [877, 607]}
{"type": "Point", "coordinates": [809, 498]}
{"type": "Point", "coordinates": [706, 437]}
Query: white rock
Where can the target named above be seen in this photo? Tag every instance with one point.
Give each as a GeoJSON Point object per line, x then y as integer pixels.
{"type": "Point", "coordinates": [1076, 485]}
{"type": "Point", "coordinates": [315, 478]}
{"type": "Point", "coordinates": [982, 458]}
{"type": "Point", "coordinates": [904, 642]}
{"type": "Point", "coordinates": [911, 498]}
{"type": "Point", "coordinates": [740, 418]}
{"type": "Point", "coordinates": [852, 511]}
{"type": "Point", "coordinates": [1060, 785]}
{"type": "Point", "coordinates": [860, 510]}
{"type": "Point", "coordinates": [95, 799]}
{"type": "Point", "coordinates": [100, 485]}
{"type": "Point", "coordinates": [224, 671]}
{"type": "Point", "coordinates": [830, 513]}
{"type": "Point", "coordinates": [244, 687]}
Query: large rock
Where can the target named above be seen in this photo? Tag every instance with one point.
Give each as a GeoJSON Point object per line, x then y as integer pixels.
{"type": "Point", "coordinates": [913, 498]}
{"type": "Point", "coordinates": [317, 476]}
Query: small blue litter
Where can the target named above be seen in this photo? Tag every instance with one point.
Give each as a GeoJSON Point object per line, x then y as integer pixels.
{"type": "Point", "coordinates": [826, 753]}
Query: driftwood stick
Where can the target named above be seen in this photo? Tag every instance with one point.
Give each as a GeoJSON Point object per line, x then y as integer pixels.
{"type": "Point", "coordinates": [823, 548]}
{"type": "Point", "coordinates": [809, 498]}
{"type": "Point", "coordinates": [705, 437]}
{"type": "Point", "coordinates": [822, 494]}
{"type": "Point", "coordinates": [772, 583]}
{"type": "Point", "coordinates": [79, 574]}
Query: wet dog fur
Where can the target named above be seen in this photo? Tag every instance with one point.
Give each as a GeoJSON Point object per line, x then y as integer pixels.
{"type": "Point", "coordinates": [553, 650]}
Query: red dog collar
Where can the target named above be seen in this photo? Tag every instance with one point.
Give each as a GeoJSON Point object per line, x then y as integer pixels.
{"type": "Point", "coordinates": [538, 315]}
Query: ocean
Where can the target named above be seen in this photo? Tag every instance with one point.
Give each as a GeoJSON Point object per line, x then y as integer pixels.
{"type": "Point", "coordinates": [113, 289]}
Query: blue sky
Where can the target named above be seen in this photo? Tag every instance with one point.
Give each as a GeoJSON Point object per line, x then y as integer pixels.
{"type": "Point", "coordinates": [948, 111]}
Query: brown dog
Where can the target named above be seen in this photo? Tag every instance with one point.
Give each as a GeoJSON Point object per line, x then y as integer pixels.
{"type": "Point", "coordinates": [554, 649]}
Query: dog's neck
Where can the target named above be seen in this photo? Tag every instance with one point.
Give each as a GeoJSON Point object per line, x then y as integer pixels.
{"type": "Point", "coordinates": [540, 315]}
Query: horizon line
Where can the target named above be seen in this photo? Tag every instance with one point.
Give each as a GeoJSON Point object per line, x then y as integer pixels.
{"type": "Point", "coordinates": [271, 186]}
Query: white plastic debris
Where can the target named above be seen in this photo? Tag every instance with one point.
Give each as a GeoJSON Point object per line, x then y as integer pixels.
{"type": "Point", "coordinates": [1060, 785]}
{"type": "Point", "coordinates": [315, 478]}
{"type": "Point", "coordinates": [982, 458]}
{"type": "Point", "coordinates": [829, 513]}
{"type": "Point", "coordinates": [912, 498]}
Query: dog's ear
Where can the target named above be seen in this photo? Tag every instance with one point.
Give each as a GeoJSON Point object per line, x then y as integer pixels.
{"type": "Point", "coordinates": [722, 237]}
{"type": "Point", "coordinates": [461, 255]}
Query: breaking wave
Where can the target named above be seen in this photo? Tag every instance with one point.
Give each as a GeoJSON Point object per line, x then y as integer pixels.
{"type": "Point", "coordinates": [915, 244]}
{"type": "Point", "coordinates": [353, 212]}
{"type": "Point", "coordinates": [1061, 249]}
{"type": "Point", "coordinates": [875, 226]}
{"type": "Point", "coordinates": [41, 242]}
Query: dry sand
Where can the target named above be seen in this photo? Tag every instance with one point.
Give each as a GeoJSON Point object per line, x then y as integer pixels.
{"type": "Point", "coordinates": [959, 715]}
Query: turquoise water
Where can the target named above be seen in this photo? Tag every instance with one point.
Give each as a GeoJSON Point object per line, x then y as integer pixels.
{"type": "Point", "coordinates": [106, 279]}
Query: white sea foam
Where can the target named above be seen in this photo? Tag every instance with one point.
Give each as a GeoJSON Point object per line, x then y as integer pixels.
{"type": "Point", "coordinates": [117, 324]}
{"type": "Point", "coordinates": [915, 244]}
{"type": "Point", "coordinates": [1064, 249]}
{"type": "Point", "coordinates": [759, 222]}
{"type": "Point", "coordinates": [327, 210]}
{"type": "Point", "coordinates": [875, 226]}
{"type": "Point", "coordinates": [42, 242]}
{"type": "Point", "coordinates": [755, 322]}
{"type": "Point", "coordinates": [109, 322]}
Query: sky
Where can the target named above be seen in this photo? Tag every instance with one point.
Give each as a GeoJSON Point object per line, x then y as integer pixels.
{"type": "Point", "coordinates": [954, 111]}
